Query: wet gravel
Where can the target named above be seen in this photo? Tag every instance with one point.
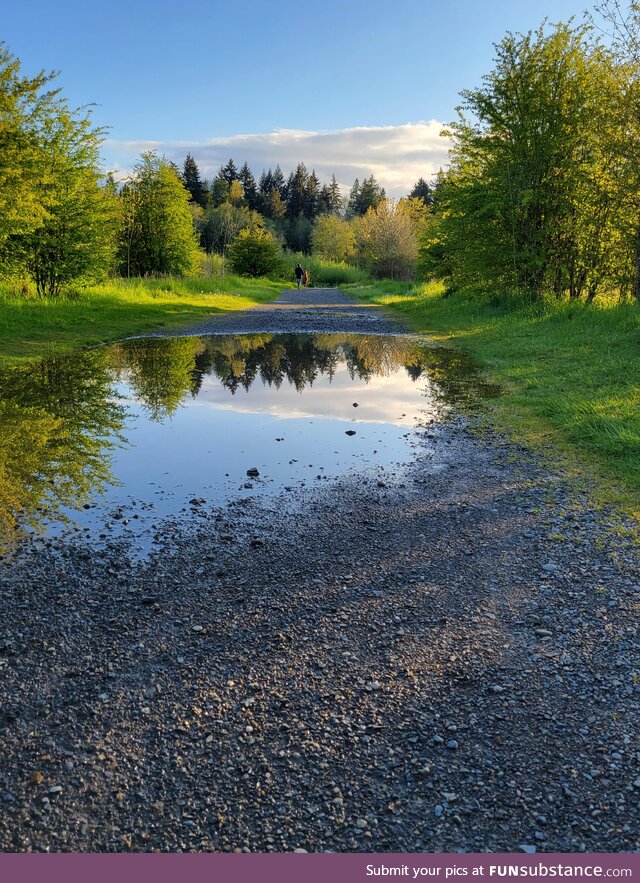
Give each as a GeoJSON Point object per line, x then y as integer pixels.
{"type": "Point", "coordinates": [444, 658]}
{"type": "Point", "coordinates": [309, 310]}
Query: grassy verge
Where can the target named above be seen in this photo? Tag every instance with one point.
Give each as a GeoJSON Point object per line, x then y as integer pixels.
{"type": "Point", "coordinates": [571, 375]}
{"type": "Point", "coordinates": [32, 327]}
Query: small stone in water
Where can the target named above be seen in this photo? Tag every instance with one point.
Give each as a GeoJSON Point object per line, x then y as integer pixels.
{"type": "Point", "coordinates": [350, 432]}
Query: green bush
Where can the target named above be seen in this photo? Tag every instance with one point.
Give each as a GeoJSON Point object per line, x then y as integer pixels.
{"type": "Point", "coordinates": [255, 253]}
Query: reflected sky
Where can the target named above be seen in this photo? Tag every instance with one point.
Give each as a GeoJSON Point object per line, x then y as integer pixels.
{"type": "Point", "coordinates": [123, 437]}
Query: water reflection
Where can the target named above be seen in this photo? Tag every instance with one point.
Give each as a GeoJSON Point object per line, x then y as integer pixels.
{"type": "Point", "coordinates": [65, 421]}
{"type": "Point", "coordinates": [59, 423]}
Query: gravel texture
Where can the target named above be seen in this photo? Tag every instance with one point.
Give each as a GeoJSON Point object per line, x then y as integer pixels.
{"type": "Point", "coordinates": [309, 310]}
{"type": "Point", "coordinates": [445, 658]}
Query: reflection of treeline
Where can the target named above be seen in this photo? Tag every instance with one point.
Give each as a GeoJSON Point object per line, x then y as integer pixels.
{"type": "Point", "coordinates": [59, 418]}
{"type": "Point", "coordinates": [163, 372]}
{"type": "Point", "coordinates": [58, 422]}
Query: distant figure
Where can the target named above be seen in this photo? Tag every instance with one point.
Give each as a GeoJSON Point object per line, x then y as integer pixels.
{"type": "Point", "coordinates": [299, 275]}
{"type": "Point", "coordinates": [305, 278]}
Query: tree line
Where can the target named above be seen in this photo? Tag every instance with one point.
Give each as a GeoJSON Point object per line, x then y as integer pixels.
{"type": "Point", "coordinates": [290, 206]}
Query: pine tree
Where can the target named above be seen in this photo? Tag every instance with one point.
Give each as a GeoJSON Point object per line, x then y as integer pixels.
{"type": "Point", "coordinates": [422, 190]}
{"type": "Point", "coordinates": [230, 172]}
{"type": "Point", "coordinates": [278, 181]}
{"type": "Point", "coordinates": [335, 197]}
{"type": "Point", "coordinates": [192, 181]}
{"type": "Point", "coordinates": [219, 188]}
{"type": "Point", "coordinates": [371, 195]}
{"type": "Point", "coordinates": [312, 196]}
{"type": "Point", "coordinates": [354, 200]}
{"type": "Point", "coordinates": [297, 191]}
{"type": "Point", "coordinates": [248, 182]}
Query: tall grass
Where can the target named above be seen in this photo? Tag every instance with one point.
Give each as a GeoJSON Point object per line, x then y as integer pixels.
{"type": "Point", "coordinates": [570, 372]}
{"type": "Point", "coordinates": [322, 273]}
{"type": "Point", "coordinates": [36, 326]}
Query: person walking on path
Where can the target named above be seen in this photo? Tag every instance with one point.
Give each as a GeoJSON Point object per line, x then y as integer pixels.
{"type": "Point", "coordinates": [299, 275]}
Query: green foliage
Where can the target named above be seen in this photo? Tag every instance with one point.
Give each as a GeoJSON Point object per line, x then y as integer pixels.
{"type": "Point", "coordinates": [77, 239]}
{"type": "Point", "coordinates": [255, 253]}
{"type": "Point", "coordinates": [56, 222]}
{"type": "Point", "coordinates": [387, 241]}
{"type": "Point", "coordinates": [24, 108]}
{"type": "Point", "coordinates": [157, 234]}
{"type": "Point", "coordinates": [322, 272]}
{"type": "Point", "coordinates": [422, 190]}
{"type": "Point", "coordinates": [221, 224]}
{"type": "Point", "coordinates": [161, 372]}
{"type": "Point", "coordinates": [333, 238]}
{"type": "Point", "coordinates": [296, 233]}
{"type": "Point", "coordinates": [532, 198]}
{"type": "Point", "coordinates": [59, 425]}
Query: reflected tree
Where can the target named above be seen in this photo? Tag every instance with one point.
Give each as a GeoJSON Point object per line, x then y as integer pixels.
{"type": "Point", "coordinates": [59, 422]}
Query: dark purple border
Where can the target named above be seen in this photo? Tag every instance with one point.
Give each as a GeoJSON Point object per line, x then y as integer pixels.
{"type": "Point", "coordinates": [318, 868]}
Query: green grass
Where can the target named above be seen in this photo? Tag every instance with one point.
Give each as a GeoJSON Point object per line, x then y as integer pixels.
{"type": "Point", "coordinates": [33, 327]}
{"type": "Point", "coordinates": [570, 372]}
{"type": "Point", "coordinates": [324, 273]}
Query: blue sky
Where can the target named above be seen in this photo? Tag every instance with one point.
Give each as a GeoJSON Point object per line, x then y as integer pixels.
{"type": "Point", "coordinates": [192, 75]}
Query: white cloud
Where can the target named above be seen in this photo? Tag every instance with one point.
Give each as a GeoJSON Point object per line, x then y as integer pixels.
{"type": "Point", "coordinates": [396, 155]}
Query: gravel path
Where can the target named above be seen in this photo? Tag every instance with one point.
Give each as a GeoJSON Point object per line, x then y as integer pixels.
{"type": "Point", "coordinates": [444, 659]}
{"type": "Point", "coordinates": [310, 310]}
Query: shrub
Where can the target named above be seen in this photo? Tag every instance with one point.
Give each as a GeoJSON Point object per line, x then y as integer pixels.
{"type": "Point", "coordinates": [255, 253]}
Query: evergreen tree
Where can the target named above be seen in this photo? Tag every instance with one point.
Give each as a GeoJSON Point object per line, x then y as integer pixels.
{"type": "Point", "coordinates": [312, 196]}
{"type": "Point", "coordinates": [219, 188]}
{"type": "Point", "coordinates": [354, 200]}
{"type": "Point", "coordinates": [297, 191]}
{"type": "Point", "coordinates": [192, 181]}
{"type": "Point", "coordinates": [331, 198]}
{"type": "Point", "coordinates": [265, 185]}
{"type": "Point", "coordinates": [230, 172]}
{"type": "Point", "coordinates": [278, 181]}
{"type": "Point", "coordinates": [371, 195]}
{"type": "Point", "coordinates": [248, 182]}
{"type": "Point", "coordinates": [421, 190]}
{"type": "Point", "coordinates": [273, 206]}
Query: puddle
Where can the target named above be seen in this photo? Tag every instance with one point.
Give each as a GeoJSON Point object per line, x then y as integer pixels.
{"type": "Point", "coordinates": [109, 443]}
